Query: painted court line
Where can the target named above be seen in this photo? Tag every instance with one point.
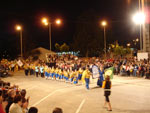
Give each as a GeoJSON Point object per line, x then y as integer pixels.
{"type": "Point", "coordinates": [79, 108]}
{"type": "Point", "coordinates": [44, 98]}
{"type": "Point", "coordinates": [47, 96]}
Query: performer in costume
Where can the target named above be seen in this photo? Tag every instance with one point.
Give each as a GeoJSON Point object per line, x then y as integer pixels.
{"type": "Point", "coordinates": [26, 69]}
{"type": "Point", "coordinates": [65, 73]}
{"type": "Point", "coordinates": [56, 74]}
{"type": "Point", "coordinates": [83, 76]}
{"type": "Point", "coordinates": [49, 73]}
{"type": "Point", "coordinates": [46, 72]}
{"type": "Point", "coordinates": [33, 69]}
{"type": "Point", "coordinates": [101, 78]}
{"type": "Point", "coordinates": [37, 70]}
{"type": "Point", "coordinates": [42, 71]}
{"type": "Point", "coordinates": [87, 75]}
{"type": "Point", "coordinates": [53, 72]}
{"type": "Point", "coordinates": [60, 74]}
{"type": "Point", "coordinates": [80, 71]}
{"type": "Point", "coordinates": [71, 75]}
{"type": "Point", "coordinates": [75, 80]}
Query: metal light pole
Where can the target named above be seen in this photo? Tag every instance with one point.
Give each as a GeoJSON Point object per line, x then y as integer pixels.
{"type": "Point", "coordinates": [50, 37]}
{"type": "Point", "coordinates": [104, 23]}
{"type": "Point", "coordinates": [21, 43]}
{"type": "Point", "coordinates": [19, 28]}
{"type": "Point", "coordinates": [49, 24]}
{"type": "Point", "coordinates": [141, 42]}
{"type": "Point", "coordinates": [139, 18]}
{"type": "Point", "coordinates": [105, 40]}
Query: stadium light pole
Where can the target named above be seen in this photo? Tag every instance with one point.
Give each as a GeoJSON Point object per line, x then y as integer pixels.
{"type": "Point", "coordinates": [48, 23]}
{"type": "Point", "coordinates": [19, 28]}
{"type": "Point", "coordinates": [104, 24]}
{"type": "Point", "coordinates": [139, 19]}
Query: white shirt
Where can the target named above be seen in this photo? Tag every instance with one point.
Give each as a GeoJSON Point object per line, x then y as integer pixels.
{"type": "Point", "coordinates": [15, 108]}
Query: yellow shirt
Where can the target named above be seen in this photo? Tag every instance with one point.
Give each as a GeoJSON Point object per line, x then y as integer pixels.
{"type": "Point", "coordinates": [25, 66]}
{"type": "Point", "coordinates": [52, 70]}
{"type": "Point", "coordinates": [71, 74]}
{"type": "Point", "coordinates": [104, 83]}
{"type": "Point", "coordinates": [86, 74]}
{"type": "Point", "coordinates": [49, 70]}
{"type": "Point", "coordinates": [46, 69]}
{"type": "Point", "coordinates": [80, 71]}
{"type": "Point", "coordinates": [56, 71]}
{"type": "Point", "coordinates": [33, 67]}
{"type": "Point", "coordinates": [60, 72]}
{"type": "Point", "coordinates": [65, 73]}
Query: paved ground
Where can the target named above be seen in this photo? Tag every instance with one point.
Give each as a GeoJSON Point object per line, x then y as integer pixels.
{"type": "Point", "coordinates": [129, 95]}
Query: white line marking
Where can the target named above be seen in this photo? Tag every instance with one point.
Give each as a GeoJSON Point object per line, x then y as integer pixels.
{"type": "Point", "coordinates": [47, 96]}
{"type": "Point", "coordinates": [79, 108]}
{"type": "Point", "coordinates": [44, 98]}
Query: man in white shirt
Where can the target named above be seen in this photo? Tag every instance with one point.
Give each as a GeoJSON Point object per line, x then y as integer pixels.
{"type": "Point", "coordinates": [16, 106]}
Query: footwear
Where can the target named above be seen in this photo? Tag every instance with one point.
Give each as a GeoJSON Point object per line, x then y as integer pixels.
{"type": "Point", "coordinates": [109, 110]}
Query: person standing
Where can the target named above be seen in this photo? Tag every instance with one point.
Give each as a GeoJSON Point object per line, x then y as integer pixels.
{"type": "Point", "coordinates": [80, 71]}
{"type": "Point", "coordinates": [16, 106]}
{"type": "Point", "coordinates": [107, 92]}
{"type": "Point", "coordinates": [86, 75]}
{"type": "Point", "coordinates": [100, 79]}
{"type": "Point", "coordinates": [37, 70]}
{"type": "Point", "coordinates": [42, 71]}
{"type": "Point", "coordinates": [26, 69]}
{"type": "Point", "coordinates": [46, 72]}
{"type": "Point", "coordinates": [11, 96]}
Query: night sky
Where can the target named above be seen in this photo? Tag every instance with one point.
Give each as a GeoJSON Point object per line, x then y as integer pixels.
{"type": "Point", "coordinates": [28, 13]}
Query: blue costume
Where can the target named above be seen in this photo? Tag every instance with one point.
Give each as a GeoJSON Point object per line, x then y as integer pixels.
{"type": "Point", "coordinates": [101, 78]}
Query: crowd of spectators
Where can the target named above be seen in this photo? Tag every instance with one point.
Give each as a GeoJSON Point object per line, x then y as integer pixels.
{"type": "Point", "coordinates": [14, 100]}
{"type": "Point", "coordinates": [132, 67]}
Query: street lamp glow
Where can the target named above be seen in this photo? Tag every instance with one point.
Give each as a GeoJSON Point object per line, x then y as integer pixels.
{"type": "Point", "coordinates": [44, 20]}
{"type": "Point", "coordinates": [18, 28]}
{"type": "Point", "coordinates": [137, 39]}
{"type": "Point", "coordinates": [128, 44]}
{"type": "Point", "coordinates": [139, 18]}
{"type": "Point", "coordinates": [58, 21]}
{"type": "Point", "coordinates": [104, 23]}
{"type": "Point", "coordinates": [46, 23]}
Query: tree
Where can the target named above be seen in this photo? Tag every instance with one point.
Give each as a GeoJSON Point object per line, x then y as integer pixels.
{"type": "Point", "coordinates": [57, 47]}
{"type": "Point", "coordinates": [119, 50]}
{"type": "Point", "coordinates": [64, 47]}
{"type": "Point", "coordinates": [88, 38]}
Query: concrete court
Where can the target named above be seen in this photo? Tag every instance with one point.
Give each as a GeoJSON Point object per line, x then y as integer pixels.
{"type": "Point", "coordinates": [129, 95]}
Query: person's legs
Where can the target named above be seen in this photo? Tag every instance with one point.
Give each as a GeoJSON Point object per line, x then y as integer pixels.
{"type": "Point", "coordinates": [105, 103]}
{"type": "Point", "coordinates": [109, 104]}
{"type": "Point", "coordinates": [87, 83]}
{"type": "Point", "coordinates": [36, 74]}
{"type": "Point", "coordinates": [134, 72]}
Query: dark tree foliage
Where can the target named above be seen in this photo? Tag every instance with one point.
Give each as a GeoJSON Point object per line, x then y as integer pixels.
{"type": "Point", "coordinates": [88, 38]}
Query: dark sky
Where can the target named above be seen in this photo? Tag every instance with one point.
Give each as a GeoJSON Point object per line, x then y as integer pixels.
{"type": "Point", "coordinates": [29, 14]}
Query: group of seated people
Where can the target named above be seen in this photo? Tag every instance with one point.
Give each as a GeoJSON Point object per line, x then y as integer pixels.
{"type": "Point", "coordinates": [13, 100]}
{"type": "Point", "coordinates": [132, 67]}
